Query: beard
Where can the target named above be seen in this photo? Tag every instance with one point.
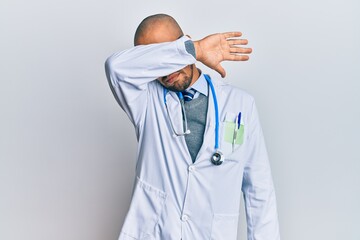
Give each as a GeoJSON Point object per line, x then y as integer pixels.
{"type": "Point", "coordinates": [179, 85]}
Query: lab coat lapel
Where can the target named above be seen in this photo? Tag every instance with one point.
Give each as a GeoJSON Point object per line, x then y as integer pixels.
{"type": "Point", "coordinates": [175, 113]}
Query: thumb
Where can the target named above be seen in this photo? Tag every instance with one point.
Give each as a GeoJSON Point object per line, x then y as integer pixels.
{"type": "Point", "coordinates": [220, 70]}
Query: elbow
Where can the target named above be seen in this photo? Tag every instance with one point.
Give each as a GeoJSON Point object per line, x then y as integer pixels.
{"type": "Point", "coordinates": [109, 64]}
{"type": "Point", "coordinates": [115, 66]}
{"type": "Point", "coordinates": [110, 71]}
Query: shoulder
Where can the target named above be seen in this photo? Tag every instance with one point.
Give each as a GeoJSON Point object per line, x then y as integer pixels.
{"type": "Point", "coordinates": [230, 91]}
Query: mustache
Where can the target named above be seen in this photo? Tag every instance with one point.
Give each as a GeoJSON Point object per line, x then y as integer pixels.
{"type": "Point", "coordinates": [165, 77]}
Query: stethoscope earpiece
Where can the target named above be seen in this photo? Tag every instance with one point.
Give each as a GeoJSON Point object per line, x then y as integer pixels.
{"type": "Point", "coordinates": [217, 158]}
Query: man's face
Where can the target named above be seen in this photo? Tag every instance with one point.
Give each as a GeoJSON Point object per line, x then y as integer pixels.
{"type": "Point", "coordinates": [179, 80]}
{"type": "Point", "coordinates": [165, 31]}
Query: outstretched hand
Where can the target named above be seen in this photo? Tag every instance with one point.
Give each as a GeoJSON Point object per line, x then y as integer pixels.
{"type": "Point", "coordinates": [215, 48]}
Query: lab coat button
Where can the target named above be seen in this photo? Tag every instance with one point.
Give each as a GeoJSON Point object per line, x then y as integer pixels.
{"type": "Point", "coordinates": [191, 168]}
{"type": "Point", "coordinates": [184, 218]}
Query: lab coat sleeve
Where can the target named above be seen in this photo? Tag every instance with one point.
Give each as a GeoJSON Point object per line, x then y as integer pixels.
{"type": "Point", "coordinates": [129, 72]}
{"type": "Point", "coordinates": [258, 189]}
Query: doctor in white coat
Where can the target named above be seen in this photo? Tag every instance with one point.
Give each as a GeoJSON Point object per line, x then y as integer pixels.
{"type": "Point", "coordinates": [197, 158]}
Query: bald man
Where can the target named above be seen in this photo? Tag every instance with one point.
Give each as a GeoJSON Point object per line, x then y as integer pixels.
{"type": "Point", "coordinates": [200, 143]}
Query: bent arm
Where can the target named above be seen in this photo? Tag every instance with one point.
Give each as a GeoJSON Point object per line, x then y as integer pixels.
{"type": "Point", "coordinates": [258, 188]}
{"type": "Point", "coordinates": [130, 71]}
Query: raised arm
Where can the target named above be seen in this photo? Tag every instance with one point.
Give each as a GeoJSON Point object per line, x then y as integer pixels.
{"type": "Point", "coordinates": [130, 71]}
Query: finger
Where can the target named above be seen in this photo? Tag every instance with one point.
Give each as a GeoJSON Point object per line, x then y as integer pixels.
{"type": "Point", "coordinates": [240, 50]}
{"type": "Point", "coordinates": [220, 70]}
{"type": "Point", "coordinates": [232, 34]}
{"type": "Point", "coordinates": [236, 57]}
{"type": "Point", "coordinates": [237, 41]}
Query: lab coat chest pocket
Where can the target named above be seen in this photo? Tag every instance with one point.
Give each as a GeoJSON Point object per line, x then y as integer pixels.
{"type": "Point", "coordinates": [224, 227]}
{"type": "Point", "coordinates": [232, 137]}
{"type": "Point", "coordinates": [144, 213]}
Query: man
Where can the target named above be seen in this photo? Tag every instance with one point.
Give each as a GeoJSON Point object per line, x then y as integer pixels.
{"type": "Point", "coordinates": [200, 141]}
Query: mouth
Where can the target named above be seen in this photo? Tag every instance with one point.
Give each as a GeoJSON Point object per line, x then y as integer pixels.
{"type": "Point", "coordinates": [172, 77]}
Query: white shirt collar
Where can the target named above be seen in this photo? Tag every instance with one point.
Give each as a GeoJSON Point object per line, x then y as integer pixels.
{"type": "Point", "coordinates": [200, 85]}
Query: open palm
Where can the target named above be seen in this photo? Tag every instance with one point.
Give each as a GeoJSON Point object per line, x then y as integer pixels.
{"type": "Point", "coordinates": [215, 48]}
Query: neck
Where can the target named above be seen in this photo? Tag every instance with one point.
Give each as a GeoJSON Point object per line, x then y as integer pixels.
{"type": "Point", "coordinates": [195, 74]}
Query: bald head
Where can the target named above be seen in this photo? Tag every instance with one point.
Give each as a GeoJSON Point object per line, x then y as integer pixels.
{"type": "Point", "coordinates": [156, 29]}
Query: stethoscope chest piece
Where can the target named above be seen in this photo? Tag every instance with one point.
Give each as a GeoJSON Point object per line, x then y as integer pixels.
{"type": "Point", "coordinates": [217, 158]}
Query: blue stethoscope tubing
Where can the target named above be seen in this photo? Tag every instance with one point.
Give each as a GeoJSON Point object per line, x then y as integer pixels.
{"type": "Point", "coordinates": [216, 111]}
{"type": "Point", "coordinates": [217, 158]}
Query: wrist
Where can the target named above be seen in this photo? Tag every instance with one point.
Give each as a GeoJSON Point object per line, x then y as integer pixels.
{"type": "Point", "coordinates": [189, 46]}
{"type": "Point", "coordinates": [198, 50]}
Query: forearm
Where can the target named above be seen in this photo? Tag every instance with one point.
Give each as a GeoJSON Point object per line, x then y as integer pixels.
{"type": "Point", "coordinates": [142, 64]}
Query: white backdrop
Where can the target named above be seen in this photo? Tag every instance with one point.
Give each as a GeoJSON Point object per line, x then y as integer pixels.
{"type": "Point", "coordinates": [67, 150]}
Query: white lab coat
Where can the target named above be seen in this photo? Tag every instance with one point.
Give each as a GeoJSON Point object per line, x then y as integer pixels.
{"type": "Point", "coordinates": [174, 198]}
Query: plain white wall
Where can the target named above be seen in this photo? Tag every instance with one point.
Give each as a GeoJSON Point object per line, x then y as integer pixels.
{"type": "Point", "coordinates": [67, 150]}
